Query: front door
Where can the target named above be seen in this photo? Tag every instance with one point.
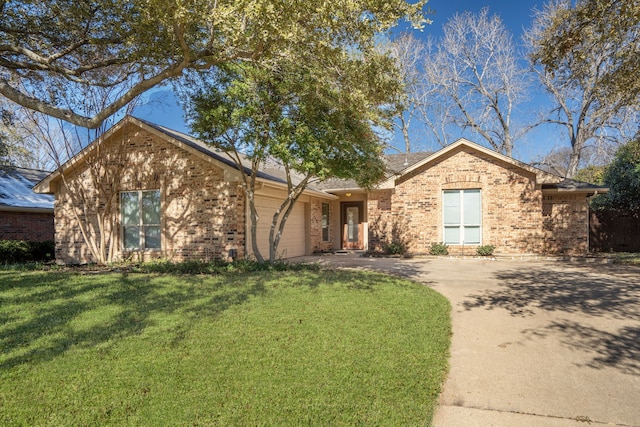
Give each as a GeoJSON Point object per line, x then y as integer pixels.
{"type": "Point", "coordinates": [352, 225]}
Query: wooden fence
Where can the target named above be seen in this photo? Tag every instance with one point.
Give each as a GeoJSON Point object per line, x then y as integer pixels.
{"type": "Point", "coordinates": [614, 231]}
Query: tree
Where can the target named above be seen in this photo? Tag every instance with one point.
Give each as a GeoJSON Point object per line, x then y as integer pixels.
{"type": "Point", "coordinates": [592, 165]}
{"type": "Point", "coordinates": [575, 31]}
{"type": "Point", "coordinates": [556, 161]}
{"type": "Point", "coordinates": [6, 121]}
{"type": "Point", "coordinates": [591, 174]}
{"type": "Point", "coordinates": [474, 71]}
{"type": "Point", "coordinates": [622, 177]}
{"type": "Point", "coordinates": [20, 142]}
{"type": "Point", "coordinates": [94, 182]}
{"type": "Point", "coordinates": [52, 51]}
{"type": "Point", "coordinates": [408, 52]}
{"type": "Point", "coordinates": [316, 119]}
{"type": "Point", "coordinates": [575, 85]}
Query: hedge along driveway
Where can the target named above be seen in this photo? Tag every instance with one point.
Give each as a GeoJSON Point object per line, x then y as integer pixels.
{"type": "Point", "coordinates": [268, 348]}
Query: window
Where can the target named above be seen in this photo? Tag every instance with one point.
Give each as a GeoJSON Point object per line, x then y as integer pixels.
{"type": "Point", "coordinates": [462, 217]}
{"type": "Point", "coordinates": [140, 216]}
{"type": "Point", "coordinates": [325, 222]}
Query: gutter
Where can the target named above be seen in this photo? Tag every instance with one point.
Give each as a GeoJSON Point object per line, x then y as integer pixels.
{"type": "Point", "coordinates": [25, 209]}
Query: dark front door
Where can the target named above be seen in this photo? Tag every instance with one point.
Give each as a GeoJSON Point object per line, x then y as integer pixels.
{"type": "Point", "coordinates": [352, 225]}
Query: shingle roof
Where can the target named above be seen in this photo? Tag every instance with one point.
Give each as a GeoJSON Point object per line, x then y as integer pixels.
{"type": "Point", "coordinates": [274, 171]}
{"type": "Point", "coordinates": [269, 169]}
{"type": "Point", "coordinates": [571, 185]}
{"type": "Point", "coordinates": [16, 189]}
{"type": "Point", "coordinates": [395, 164]}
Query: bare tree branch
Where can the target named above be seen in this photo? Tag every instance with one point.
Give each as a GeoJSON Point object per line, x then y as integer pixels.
{"type": "Point", "coordinates": [474, 70]}
{"type": "Point", "coordinates": [576, 89]}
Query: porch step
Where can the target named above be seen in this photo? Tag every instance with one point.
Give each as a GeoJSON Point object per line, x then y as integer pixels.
{"type": "Point", "coordinates": [349, 252]}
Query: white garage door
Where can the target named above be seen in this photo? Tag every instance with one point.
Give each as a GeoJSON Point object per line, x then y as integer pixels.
{"type": "Point", "coordinates": [293, 241]}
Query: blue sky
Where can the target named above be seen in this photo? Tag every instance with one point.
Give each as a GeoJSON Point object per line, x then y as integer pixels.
{"type": "Point", "coordinates": [162, 108]}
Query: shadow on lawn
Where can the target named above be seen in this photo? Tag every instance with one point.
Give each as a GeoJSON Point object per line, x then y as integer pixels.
{"type": "Point", "coordinates": [43, 315]}
{"type": "Point", "coordinates": [47, 310]}
{"type": "Point", "coordinates": [400, 267]}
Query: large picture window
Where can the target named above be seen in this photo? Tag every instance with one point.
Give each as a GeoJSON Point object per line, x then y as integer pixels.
{"type": "Point", "coordinates": [140, 218]}
{"type": "Point", "coordinates": [325, 222]}
{"type": "Point", "coordinates": [462, 217]}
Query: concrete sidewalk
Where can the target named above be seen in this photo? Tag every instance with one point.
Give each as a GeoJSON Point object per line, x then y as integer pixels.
{"type": "Point", "coordinates": [535, 343]}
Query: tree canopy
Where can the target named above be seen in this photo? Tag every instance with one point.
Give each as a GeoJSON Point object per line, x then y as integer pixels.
{"type": "Point", "coordinates": [4, 146]}
{"type": "Point", "coordinates": [577, 80]}
{"type": "Point", "coordinates": [473, 80]}
{"type": "Point", "coordinates": [579, 29]}
{"type": "Point", "coordinates": [54, 51]}
{"type": "Point", "coordinates": [317, 120]}
{"type": "Point", "coordinates": [622, 177]}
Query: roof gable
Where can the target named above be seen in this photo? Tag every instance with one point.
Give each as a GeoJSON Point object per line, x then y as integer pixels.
{"type": "Point", "coordinates": [45, 186]}
{"type": "Point", "coordinates": [270, 171]}
{"type": "Point", "coordinates": [541, 176]}
{"type": "Point", "coordinates": [398, 165]}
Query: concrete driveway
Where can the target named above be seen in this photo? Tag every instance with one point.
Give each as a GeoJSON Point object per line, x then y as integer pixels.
{"type": "Point", "coordinates": [535, 343]}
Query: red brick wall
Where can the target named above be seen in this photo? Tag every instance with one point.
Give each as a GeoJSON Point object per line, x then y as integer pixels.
{"type": "Point", "coordinates": [29, 226]}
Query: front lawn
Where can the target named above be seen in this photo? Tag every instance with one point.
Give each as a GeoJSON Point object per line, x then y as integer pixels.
{"type": "Point", "coordinates": [265, 348]}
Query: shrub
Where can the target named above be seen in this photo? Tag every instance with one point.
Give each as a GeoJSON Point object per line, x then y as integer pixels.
{"type": "Point", "coordinates": [396, 248]}
{"type": "Point", "coordinates": [20, 251]}
{"type": "Point", "coordinates": [486, 250]}
{"type": "Point", "coordinates": [43, 251]}
{"type": "Point", "coordinates": [219, 267]}
{"type": "Point", "coordinates": [439, 249]}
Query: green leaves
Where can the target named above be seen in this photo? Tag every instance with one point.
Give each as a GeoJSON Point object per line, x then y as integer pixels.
{"type": "Point", "coordinates": [66, 46]}
{"type": "Point", "coordinates": [319, 121]}
{"type": "Point", "coordinates": [622, 177]}
{"type": "Point", "coordinates": [574, 33]}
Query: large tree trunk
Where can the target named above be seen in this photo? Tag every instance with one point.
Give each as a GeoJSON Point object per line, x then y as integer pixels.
{"type": "Point", "coordinates": [253, 215]}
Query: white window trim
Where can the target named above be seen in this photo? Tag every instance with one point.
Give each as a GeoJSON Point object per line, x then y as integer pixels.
{"type": "Point", "coordinates": [461, 225]}
{"type": "Point", "coordinates": [141, 226]}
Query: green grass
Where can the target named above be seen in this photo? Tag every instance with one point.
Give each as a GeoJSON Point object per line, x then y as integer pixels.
{"type": "Point", "coordinates": [632, 258]}
{"type": "Point", "coordinates": [264, 348]}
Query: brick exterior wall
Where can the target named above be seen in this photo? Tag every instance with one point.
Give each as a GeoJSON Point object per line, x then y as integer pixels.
{"type": "Point", "coordinates": [202, 212]}
{"type": "Point", "coordinates": [565, 219]}
{"type": "Point", "coordinates": [512, 208]}
{"type": "Point", "coordinates": [29, 226]}
{"type": "Point", "coordinates": [315, 234]}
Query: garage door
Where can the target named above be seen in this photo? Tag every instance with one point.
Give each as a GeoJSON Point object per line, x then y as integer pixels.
{"type": "Point", "coordinates": [293, 241]}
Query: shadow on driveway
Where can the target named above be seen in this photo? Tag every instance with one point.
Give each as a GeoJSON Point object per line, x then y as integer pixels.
{"type": "Point", "coordinates": [619, 350]}
{"type": "Point", "coordinates": [603, 291]}
{"type": "Point", "coordinates": [591, 292]}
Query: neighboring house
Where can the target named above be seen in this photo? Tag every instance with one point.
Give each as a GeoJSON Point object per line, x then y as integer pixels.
{"type": "Point", "coordinates": [24, 215]}
{"type": "Point", "coordinates": [175, 197]}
